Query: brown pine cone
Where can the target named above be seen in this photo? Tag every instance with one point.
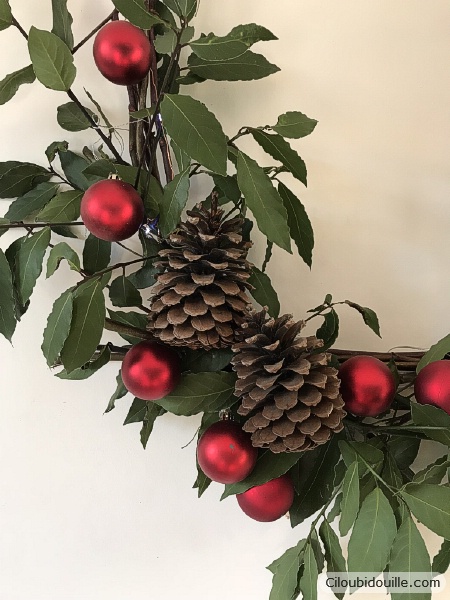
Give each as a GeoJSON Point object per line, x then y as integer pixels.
{"type": "Point", "coordinates": [286, 386]}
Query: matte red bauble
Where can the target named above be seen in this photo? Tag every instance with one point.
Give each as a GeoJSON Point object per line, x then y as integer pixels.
{"type": "Point", "coordinates": [122, 53]}
{"type": "Point", "coordinates": [112, 210]}
{"type": "Point", "coordinates": [432, 385]}
{"type": "Point", "coordinates": [269, 501]}
{"type": "Point", "coordinates": [151, 371]}
{"type": "Point", "coordinates": [367, 386]}
{"type": "Point", "coordinates": [225, 452]}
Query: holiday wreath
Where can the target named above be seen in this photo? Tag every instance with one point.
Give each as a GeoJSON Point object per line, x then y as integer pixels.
{"type": "Point", "coordinates": [289, 423]}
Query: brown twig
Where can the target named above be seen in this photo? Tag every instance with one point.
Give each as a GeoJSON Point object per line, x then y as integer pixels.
{"type": "Point", "coordinates": [405, 361]}
{"type": "Point", "coordinates": [123, 329]}
{"type": "Point", "coordinates": [29, 226]}
{"type": "Point", "coordinates": [110, 17]}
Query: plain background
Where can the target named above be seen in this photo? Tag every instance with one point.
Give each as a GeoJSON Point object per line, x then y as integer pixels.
{"type": "Point", "coordinates": [85, 513]}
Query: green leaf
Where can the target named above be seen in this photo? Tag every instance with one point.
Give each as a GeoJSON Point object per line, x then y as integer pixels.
{"type": "Point", "coordinates": [101, 168]}
{"type": "Point", "coordinates": [123, 293]}
{"type": "Point", "coordinates": [251, 33]}
{"type": "Point", "coordinates": [277, 564]}
{"type": "Point", "coordinates": [62, 22]}
{"type": "Point", "coordinates": [329, 330]}
{"type": "Point", "coordinates": [362, 451]}
{"type": "Point", "coordinates": [7, 312]}
{"type": "Point", "coordinates": [152, 413]}
{"type": "Point", "coordinates": [264, 293]}
{"type": "Point", "coordinates": [183, 8]}
{"type": "Point", "coordinates": [369, 316]}
{"type": "Point", "coordinates": [264, 201]}
{"type": "Point", "coordinates": [134, 319]}
{"type": "Point", "coordinates": [29, 263]}
{"type": "Point", "coordinates": [65, 206]}
{"type": "Point", "coordinates": [58, 326]}
{"type": "Point", "coordinates": [100, 112]}
{"type": "Point", "coordinates": [96, 254]}
{"type": "Point", "coordinates": [202, 482]}
{"type": "Point", "coordinates": [372, 535]}
{"type": "Point", "coordinates": [89, 368]}
{"type": "Point", "coordinates": [71, 118]}
{"type": "Point", "coordinates": [268, 466]}
{"type": "Point", "coordinates": [214, 48]}
{"type": "Point", "coordinates": [166, 44]}
{"type": "Point", "coordinates": [136, 12]}
{"type": "Point", "coordinates": [137, 412]}
{"type": "Point", "coordinates": [17, 178]}
{"type": "Point", "coordinates": [430, 416]}
{"type": "Point", "coordinates": [299, 224]}
{"type": "Point", "coordinates": [6, 17]}
{"type": "Point", "coordinates": [201, 392]}
{"type": "Point", "coordinates": [12, 82]}
{"type": "Point", "coordinates": [247, 67]}
{"type": "Point", "coordinates": [183, 160]}
{"type": "Point", "coordinates": [32, 201]}
{"type": "Point", "coordinates": [308, 581]}
{"type": "Point", "coordinates": [436, 352]}
{"type": "Point", "coordinates": [73, 166]}
{"type": "Point", "coordinates": [284, 581]}
{"type": "Point", "coordinates": [433, 473]}
{"type": "Point", "coordinates": [227, 187]}
{"type": "Point", "coordinates": [335, 509]}
{"type": "Point", "coordinates": [196, 131]}
{"type": "Point", "coordinates": [409, 555]}
{"type": "Point", "coordinates": [54, 148]}
{"type": "Point", "coordinates": [144, 277]}
{"type": "Point", "coordinates": [350, 499]}
{"type": "Point", "coordinates": [153, 198]}
{"type": "Point", "coordinates": [87, 325]}
{"type": "Point", "coordinates": [294, 125]}
{"type": "Point", "coordinates": [57, 253]}
{"type": "Point", "coordinates": [441, 561]}
{"type": "Point", "coordinates": [52, 60]}
{"type": "Point", "coordinates": [333, 551]}
{"type": "Point", "coordinates": [176, 195]}
{"type": "Point", "coordinates": [201, 361]}
{"type": "Point", "coordinates": [120, 392]}
{"type": "Point", "coordinates": [277, 147]}
{"type": "Point", "coordinates": [404, 450]}
{"type": "Point", "coordinates": [430, 504]}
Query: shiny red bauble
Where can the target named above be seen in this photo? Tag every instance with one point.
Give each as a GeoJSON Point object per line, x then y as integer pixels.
{"type": "Point", "coordinates": [269, 501]}
{"type": "Point", "coordinates": [122, 53]}
{"type": "Point", "coordinates": [225, 452]}
{"type": "Point", "coordinates": [367, 386]}
{"type": "Point", "coordinates": [112, 210]}
{"type": "Point", "coordinates": [151, 371]}
{"type": "Point", "coordinates": [432, 385]}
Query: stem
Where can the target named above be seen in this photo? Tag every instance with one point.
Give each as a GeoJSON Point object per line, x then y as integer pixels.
{"type": "Point", "coordinates": [121, 265]}
{"type": "Point", "coordinates": [129, 249]}
{"type": "Point", "coordinates": [406, 361]}
{"type": "Point", "coordinates": [20, 28]}
{"type": "Point", "coordinates": [20, 224]}
{"type": "Point", "coordinates": [94, 31]}
{"type": "Point", "coordinates": [111, 325]}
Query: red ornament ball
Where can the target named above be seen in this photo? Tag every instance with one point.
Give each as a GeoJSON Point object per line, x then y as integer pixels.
{"type": "Point", "coordinates": [122, 53]}
{"type": "Point", "coordinates": [225, 452]}
{"type": "Point", "coordinates": [151, 371]}
{"type": "Point", "coordinates": [112, 210]}
{"type": "Point", "coordinates": [432, 385]}
{"type": "Point", "coordinates": [269, 501]}
{"type": "Point", "coordinates": [367, 386]}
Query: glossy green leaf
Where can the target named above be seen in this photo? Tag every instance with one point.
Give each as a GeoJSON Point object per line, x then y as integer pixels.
{"type": "Point", "coordinates": [329, 330]}
{"type": "Point", "coordinates": [87, 325]}
{"type": "Point", "coordinates": [123, 293]}
{"type": "Point", "coordinates": [404, 450]}
{"type": "Point", "coordinates": [333, 552]}
{"type": "Point", "coordinates": [153, 198]}
{"type": "Point", "coordinates": [183, 160]}
{"type": "Point", "coordinates": [227, 187]}
{"type": "Point", "coordinates": [441, 561]}
{"type": "Point", "coordinates": [6, 17]}
{"type": "Point", "coordinates": [369, 316]}
{"type": "Point", "coordinates": [28, 263]}
{"type": "Point", "coordinates": [430, 416]}
{"type": "Point", "coordinates": [299, 224]}
{"type": "Point", "coordinates": [350, 499]}
{"type": "Point", "coordinates": [58, 327]}
{"type": "Point", "coordinates": [308, 581]}
{"type": "Point", "coordinates": [71, 118]}
{"type": "Point", "coordinates": [137, 412]}
{"type": "Point", "coordinates": [434, 472]}
{"type": "Point", "coordinates": [151, 414]}
{"type": "Point", "coordinates": [54, 148]}
{"type": "Point", "coordinates": [196, 131]}
{"type": "Point", "coordinates": [250, 33]}
{"type": "Point", "coordinates": [176, 195]}
{"type": "Point", "coordinates": [184, 8]}
{"type": "Point", "coordinates": [263, 291]}
{"type": "Point", "coordinates": [73, 166]}
{"type": "Point", "coordinates": [166, 43]}
{"type": "Point", "coordinates": [372, 535]}
{"type": "Point", "coordinates": [136, 12]}
{"type": "Point", "coordinates": [264, 201]}
{"type": "Point", "coordinates": [409, 555]}
{"type": "Point", "coordinates": [89, 368]}
{"type": "Point", "coordinates": [202, 482]}
{"type": "Point", "coordinates": [247, 67]}
{"type": "Point", "coordinates": [101, 168]}
{"type": "Point", "coordinates": [96, 254]}
{"type": "Point", "coordinates": [201, 361]}
{"type": "Point", "coordinates": [201, 392]}
{"type": "Point", "coordinates": [12, 82]}
{"type": "Point", "coordinates": [7, 312]}
{"type": "Point", "coordinates": [31, 202]}
{"type": "Point", "coordinates": [57, 254]}
{"type": "Point", "coordinates": [18, 178]}
{"type": "Point", "coordinates": [119, 392]}
{"type": "Point", "coordinates": [144, 277]}
{"type": "Point", "coordinates": [285, 574]}
{"type": "Point", "coordinates": [131, 318]}
{"type": "Point", "coordinates": [436, 352]}
{"type": "Point", "coordinates": [430, 504]}
{"type": "Point", "coordinates": [214, 48]}
{"type": "Point", "coordinates": [62, 22]}
{"type": "Point", "coordinates": [279, 149]}
{"type": "Point", "coordinates": [363, 452]}
{"type": "Point", "coordinates": [277, 564]}
{"type": "Point", "coordinates": [63, 207]}
{"type": "Point", "coordinates": [294, 125]}
{"type": "Point", "coordinates": [268, 466]}
{"type": "Point", "coordinates": [52, 60]}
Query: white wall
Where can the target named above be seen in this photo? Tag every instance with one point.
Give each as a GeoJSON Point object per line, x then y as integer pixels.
{"type": "Point", "coordinates": [85, 513]}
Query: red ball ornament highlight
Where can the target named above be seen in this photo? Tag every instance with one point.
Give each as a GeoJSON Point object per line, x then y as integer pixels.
{"type": "Point", "coordinates": [432, 385]}
{"type": "Point", "coordinates": [367, 386]}
{"type": "Point", "coordinates": [269, 501]}
{"type": "Point", "coordinates": [151, 371]}
{"type": "Point", "coordinates": [112, 210]}
{"type": "Point", "coordinates": [122, 53]}
{"type": "Point", "coordinates": [225, 452]}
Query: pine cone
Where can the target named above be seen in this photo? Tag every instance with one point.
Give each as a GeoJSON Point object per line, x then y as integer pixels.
{"type": "Point", "coordinates": [286, 386]}
{"type": "Point", "coordinates": [200, 298]}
